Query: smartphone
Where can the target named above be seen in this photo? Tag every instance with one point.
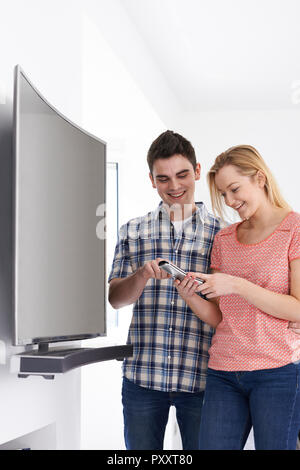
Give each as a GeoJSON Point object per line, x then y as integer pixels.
{"type": "Point", "coordinates": [175, 272]}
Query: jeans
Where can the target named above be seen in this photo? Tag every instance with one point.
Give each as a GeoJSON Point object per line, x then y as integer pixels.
{"type": "Point", "coordinates": [268, 400]}
{"type": "Point", "coordinates": [146, 414]}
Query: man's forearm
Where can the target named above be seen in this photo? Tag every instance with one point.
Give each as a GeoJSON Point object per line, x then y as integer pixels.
{"type": "Point", "coordinates": [125, 291]}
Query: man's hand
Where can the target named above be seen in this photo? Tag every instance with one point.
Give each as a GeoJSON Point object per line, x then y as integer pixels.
{"type": "Point", "coordinates": [152, 270]}
{"type": "Point", "coordinates": [126, 291]}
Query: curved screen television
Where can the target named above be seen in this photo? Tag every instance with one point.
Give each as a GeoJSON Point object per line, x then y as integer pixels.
{"type": "Point", "coordinates": [59, 176]}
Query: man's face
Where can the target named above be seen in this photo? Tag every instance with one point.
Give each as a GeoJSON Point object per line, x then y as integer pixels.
{"type": "Point", "coordinates": [174, 178]}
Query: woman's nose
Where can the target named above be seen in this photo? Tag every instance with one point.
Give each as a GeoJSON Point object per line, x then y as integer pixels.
{"type": "Point", "coordinates": [229, 200]}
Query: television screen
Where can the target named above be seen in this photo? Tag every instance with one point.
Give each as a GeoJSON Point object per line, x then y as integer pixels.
{"type": "Point", "coordinates": [59, 271]}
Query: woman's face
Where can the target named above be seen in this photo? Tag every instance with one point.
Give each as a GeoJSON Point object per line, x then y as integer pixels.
{"type": "Point", "coordinates": [245, 194]}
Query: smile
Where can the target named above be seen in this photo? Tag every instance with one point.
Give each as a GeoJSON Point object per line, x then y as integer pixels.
{"type": "Point", "coordinates": [177, 195]}
{"type": "Point", "coordinates": [239, 206]}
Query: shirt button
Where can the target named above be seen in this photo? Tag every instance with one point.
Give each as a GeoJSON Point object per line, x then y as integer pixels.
{"type": "Point", "coordinates": [170, 329]}
{"type": "Point", "coordinates": [172, 302]}
{"type": "Point", "coordinates": [169, 357]}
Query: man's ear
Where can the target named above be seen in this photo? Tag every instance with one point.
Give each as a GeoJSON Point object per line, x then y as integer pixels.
{"type": "Point", "coordinates": [152, 180]}
{"type": "Point", "coordinates": [197, 171]}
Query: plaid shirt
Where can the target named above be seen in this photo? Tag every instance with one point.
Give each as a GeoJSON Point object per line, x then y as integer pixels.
{"type": "Point", "coordinates": [170, 344]}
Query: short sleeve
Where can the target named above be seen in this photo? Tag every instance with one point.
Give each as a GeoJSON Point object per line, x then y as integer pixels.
{"type": "Point", "coordinates": [215, 258]}
{"type": "Point", "coordinates": [294, 249]}
{"type": "Point", "coordinates": [121, 266]}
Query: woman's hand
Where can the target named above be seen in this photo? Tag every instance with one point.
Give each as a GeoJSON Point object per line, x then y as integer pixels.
{"type": "Point", "coordinates": [187, 287]}
{"type": "Point", "coordinates": [208, 312]}
{"type": "Point", "coordinates": [217, 284]}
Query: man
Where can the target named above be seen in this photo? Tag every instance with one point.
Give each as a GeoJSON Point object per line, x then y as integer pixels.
{"type": "Point", "coordinates": [170, 344]}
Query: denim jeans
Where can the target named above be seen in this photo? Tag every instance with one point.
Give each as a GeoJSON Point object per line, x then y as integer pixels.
{"type": "Point", "coordinates": [146, 414]}
{"type": "Point", "coordinates": [268, 400]}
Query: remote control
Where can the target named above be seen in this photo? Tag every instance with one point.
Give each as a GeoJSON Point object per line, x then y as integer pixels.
{"type": "Point", "coordinates": [175, 272]}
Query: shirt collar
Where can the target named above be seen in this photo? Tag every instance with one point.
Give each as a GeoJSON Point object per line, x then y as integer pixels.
{"type": "Point", "coordinates": [201, 211]}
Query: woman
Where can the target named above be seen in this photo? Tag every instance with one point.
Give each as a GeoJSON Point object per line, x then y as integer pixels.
{"type": "Point", "coordinates": [254, 303]}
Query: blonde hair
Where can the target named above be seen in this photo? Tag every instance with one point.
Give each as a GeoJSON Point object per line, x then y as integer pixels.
{"type": "Point", "coordinates": [248, 162]}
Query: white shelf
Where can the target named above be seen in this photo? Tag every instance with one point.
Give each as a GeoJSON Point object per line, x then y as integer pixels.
{"type": "Point", "coordinates": [53, 361]}
{"type": "Point", "coordinates": [40, 439]}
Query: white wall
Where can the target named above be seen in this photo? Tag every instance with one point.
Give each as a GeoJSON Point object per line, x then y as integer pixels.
{"type": "Point", "coordinates": [45, 39]}
{"type": "Point", "coordinates": [120, 33]}
{"type": "Point", "coordinates": [115, 108]}
{"type": "Point", "coordinates": [274, 133]}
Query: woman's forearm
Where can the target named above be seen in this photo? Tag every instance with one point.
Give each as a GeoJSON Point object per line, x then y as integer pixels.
{"type": "Point", "coordinates": [207, 311]}
{"type": "Point", "coordinates": [285, 307]}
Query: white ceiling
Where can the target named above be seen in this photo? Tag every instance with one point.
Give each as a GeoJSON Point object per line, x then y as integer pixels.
{"type": "Point", "coordinates": [224, 54]}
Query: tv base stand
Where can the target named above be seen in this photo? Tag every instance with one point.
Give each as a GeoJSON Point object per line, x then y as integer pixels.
{"type": "Point", "coordinates": [48, 362]}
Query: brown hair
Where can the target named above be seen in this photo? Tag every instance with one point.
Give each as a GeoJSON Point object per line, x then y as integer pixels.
{"type": "Point", "coordinates": [168, 144]}
{"type": "Point", "coordinates": [248, 161]}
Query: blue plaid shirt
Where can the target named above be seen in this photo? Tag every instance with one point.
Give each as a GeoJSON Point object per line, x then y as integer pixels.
{"type": "Point", "coordinates": [170, 344]}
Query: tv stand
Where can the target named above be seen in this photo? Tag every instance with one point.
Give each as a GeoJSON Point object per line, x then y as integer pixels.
{"type": "Point", "coordinates": [48, 362]}
{"type": "Point", "coordinates": [43, 347]}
